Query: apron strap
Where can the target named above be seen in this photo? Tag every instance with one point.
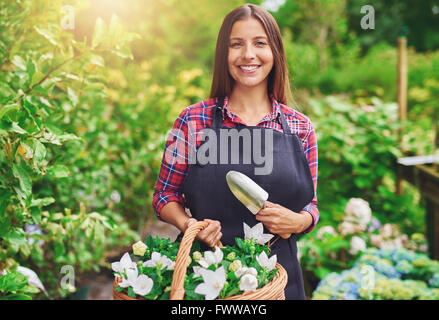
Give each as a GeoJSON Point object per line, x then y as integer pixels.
{"type": "Point", "coordinates": [218, 114]}
{"type": "Point", "coordinates": [285, 125]}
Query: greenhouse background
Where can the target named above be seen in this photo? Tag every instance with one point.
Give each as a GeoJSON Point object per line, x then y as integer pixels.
{"type": "Point", "coordinates": [90, 88]}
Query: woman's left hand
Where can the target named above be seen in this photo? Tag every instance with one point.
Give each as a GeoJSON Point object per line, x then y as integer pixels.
{"type": "Point", "coordinates": [280, 220]}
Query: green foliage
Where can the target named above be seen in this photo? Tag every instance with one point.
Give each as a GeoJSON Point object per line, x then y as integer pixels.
{"type": "Point", "coordinates": [357, 146]}
{"type": "Point", "coordinates": [45, 75]}
{"type": "Point", "coordinates": [14, 286]}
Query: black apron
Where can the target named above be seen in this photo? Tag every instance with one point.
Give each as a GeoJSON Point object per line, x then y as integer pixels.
{"type": "Point", "coordinates": [290, 184]}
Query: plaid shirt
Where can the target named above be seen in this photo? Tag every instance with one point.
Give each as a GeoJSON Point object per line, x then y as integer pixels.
{"type": "Point", "coordinates": [172, 173]}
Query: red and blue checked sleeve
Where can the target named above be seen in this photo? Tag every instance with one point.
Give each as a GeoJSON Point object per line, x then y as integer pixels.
{"type": "Point", "coordinates": [311, 153]}
{"type": "Point", "coordinates": [174, 166]}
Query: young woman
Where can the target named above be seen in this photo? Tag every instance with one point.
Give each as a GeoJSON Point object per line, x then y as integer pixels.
{"type": "Point", "coordinates": [249, 93]}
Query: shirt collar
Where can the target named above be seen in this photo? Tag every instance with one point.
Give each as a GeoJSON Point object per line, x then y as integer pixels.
{"type": "Point", "coordinates": [271, 117]}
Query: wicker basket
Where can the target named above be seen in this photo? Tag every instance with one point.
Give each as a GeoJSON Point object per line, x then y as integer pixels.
{"type": "Point", "coordinates": [274, 290]}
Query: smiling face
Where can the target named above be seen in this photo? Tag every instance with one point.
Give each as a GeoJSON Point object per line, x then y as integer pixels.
{"type": "Point", "coordinates": [250, 58]}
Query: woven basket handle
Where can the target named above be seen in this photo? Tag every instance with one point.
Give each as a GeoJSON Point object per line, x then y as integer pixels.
{"type": "Point", "coordinates": [177, 286]}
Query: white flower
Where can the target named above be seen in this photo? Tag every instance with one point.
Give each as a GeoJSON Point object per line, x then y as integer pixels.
{"type": "Point", "coordinates": [211, 257]}
{"type": "Point", "coordinates": [213, 283]}
{"type": "Point", "coordinates": [171, 264]}
{"type": "Point", "coordinates": [32, 278]}
{"type": "Point", "coordinates": [346, 228]}
{"type": "Point", "coordinates": [124, 264]}
{"type": "Point", "coordinates": [263, 261]}
{"type": "Point", "coordinates": [198, 271]}
{"type": "Point", "coordinates": [248, 282]}
{"type": "Point", "coordinates": [257, 233]}
{"type": "Point", "coordinates": [161, 261]}
{"type": "Point", "coordinates": [359, 209]}
{"type": "Point", "coordinates": [387, 230]}
{"type": "Point", "coordinates": [132, 275]}
{"type": "Point", "coordinates": [115, 196]}
{"type": "Point", "coordinates": [142, 285]}
{"type": "Point", "coordinates": [139, 248]}
{"type": "Point", "coordinates": [326, 229]}
{"type": "Point", "coordinates": [244, 270]}
{"type": "Point", "coordinates": [357, 244]}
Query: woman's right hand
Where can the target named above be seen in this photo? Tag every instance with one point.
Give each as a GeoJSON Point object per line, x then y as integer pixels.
{"type": "Point", "coordinates": [211, 234]}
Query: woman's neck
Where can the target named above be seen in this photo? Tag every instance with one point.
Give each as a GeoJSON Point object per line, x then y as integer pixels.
{"type": "Point", "coordinates": [250, 100]}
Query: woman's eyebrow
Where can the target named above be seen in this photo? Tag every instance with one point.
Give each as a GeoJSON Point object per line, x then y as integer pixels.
{"type": "Point", "coordinates": [257, 37]}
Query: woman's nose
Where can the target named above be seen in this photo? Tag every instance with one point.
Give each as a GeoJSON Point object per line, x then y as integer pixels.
{"type": "Point", "coordinates": [248, 52]}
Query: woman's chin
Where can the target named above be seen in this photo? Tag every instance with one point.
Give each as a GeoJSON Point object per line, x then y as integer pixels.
{"type": "Point", "coordinates": [249, 83]}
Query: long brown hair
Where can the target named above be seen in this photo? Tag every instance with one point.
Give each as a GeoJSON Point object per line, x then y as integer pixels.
{"type": "Point", "coordinates": [278, 79]}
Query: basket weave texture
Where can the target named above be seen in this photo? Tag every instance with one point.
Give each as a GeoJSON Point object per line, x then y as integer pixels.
{"type": "Point", "coordinates": [274, 290]}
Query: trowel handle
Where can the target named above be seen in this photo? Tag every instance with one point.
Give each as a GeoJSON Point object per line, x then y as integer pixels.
{"type": "Point", "coordinates": [283, 236]}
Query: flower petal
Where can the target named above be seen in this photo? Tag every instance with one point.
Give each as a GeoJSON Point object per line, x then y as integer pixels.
{"type": "Point", "coordinates": [116, 267]}
{"type": "Point", "coordinates": [247, 231]}
{"type": "Point", "coordinates": [264, 238]}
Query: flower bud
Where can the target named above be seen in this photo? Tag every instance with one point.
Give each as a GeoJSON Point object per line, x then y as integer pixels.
{"type": "Point", "coordinates": [197, 255]}
{"type": "Point", "coordinates": [231, 256]}
{"type": "Point", "coordinates": [235, 265]}
{"type": "Point", "coordinates": [139, 248]}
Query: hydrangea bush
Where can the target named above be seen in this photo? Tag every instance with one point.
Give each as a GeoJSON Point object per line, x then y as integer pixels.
{"type": "Point", "coordinates": [220, 273]}
{"type": "Point", "coordinates": [337, 249]}
{"type": "Point", "coordinates": [383, 274]}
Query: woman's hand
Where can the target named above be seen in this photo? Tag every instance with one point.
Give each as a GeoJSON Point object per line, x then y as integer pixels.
{"type": "Point", "coordinates": [210, 235]}
{"type": "Point", "coordinates": [280, 220]}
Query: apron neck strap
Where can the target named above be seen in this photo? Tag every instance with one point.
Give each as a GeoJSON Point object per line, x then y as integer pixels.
{"type": "Point", "coordinates": [284, 123]}
{"type": "Point", "coordinates": [218, 113]}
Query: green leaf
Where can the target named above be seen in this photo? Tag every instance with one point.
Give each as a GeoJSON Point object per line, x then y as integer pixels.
{"type": "Point", "coordinates": [30, 68]}
{"type": "Point", "coordinates": [131, 292]}
{"type": "Point", "coordinates": [16, 128]}
{"type": "Point", "coordinates": [59, 171]}
{"type": "Point", "coordinates": [16, 296]}
{"type": "Point", "coordinates": [99, 33]}
{"type": "Point", "coordinates": [42, 202]}
{"type": "Point", "coordinates": [35, 213]}
{"type": "Point", "coordinates": [16, 235]}
{"type": "Point", "coordinates": [124, 53]}
{"type": "Point", "coordinates": [114, 28]}
{"type": "Point", "coordinates": [25, 181]}
{"type": "Point", "coordinates": [39, 152]}
{"type": "Point", "coordinates": [97, 60]}
{"type": "Point", "coordinates": [8, 108]}
{"type": "Point", "coordinates": [19, 62]}
{"type": "Point", "coordinates": [33, 111]}
{"type": "Point", "coordinates": [36, 77]}
{"type": "Point", "coordinates": [48, 35]}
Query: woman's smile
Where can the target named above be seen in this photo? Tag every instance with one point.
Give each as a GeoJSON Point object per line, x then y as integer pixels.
{"type": "Point", "coordinates": [249, 69]}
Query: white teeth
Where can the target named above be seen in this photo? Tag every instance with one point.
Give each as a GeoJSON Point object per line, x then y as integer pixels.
{"type": "Point", "coordinates": [249, 68]}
